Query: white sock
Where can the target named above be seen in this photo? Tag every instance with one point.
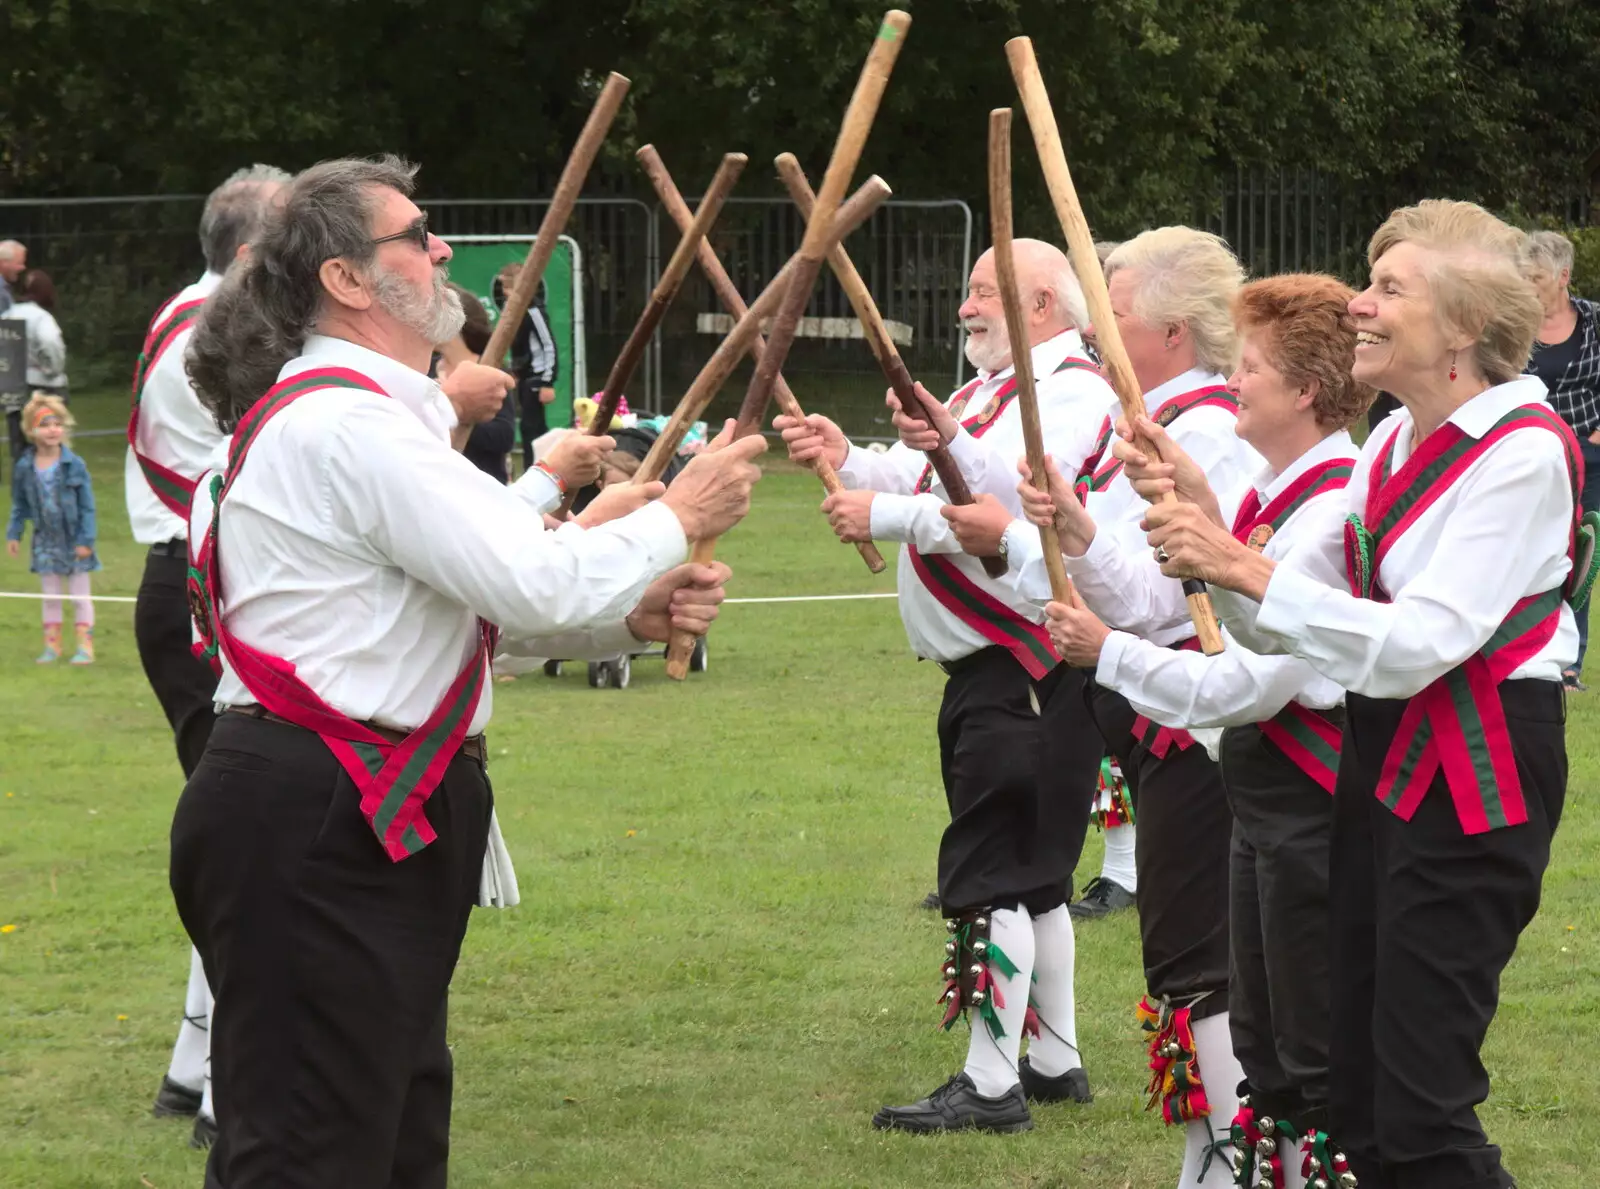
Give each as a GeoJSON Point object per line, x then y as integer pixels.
{"type": "Point", "coordinates": [1055, 1049]}
{"type": "Point", "coordinates": [1118, 865]}
{"type": "Point", "coordinates": [1221, 1075]}
{"type": "Point", "coordinates": [1289, 1149]}
{"type": "Point", "coordinates": [188, 1066]}
{"type": "Point", "coordinates": [992, 1062]}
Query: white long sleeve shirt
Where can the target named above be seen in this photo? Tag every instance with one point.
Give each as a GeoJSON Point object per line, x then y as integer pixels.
{"type": "Point", "coordinates": [1072, 406]}
{"type": "Point", "coordinates": [1118, 577]}
{"type": "Point", "coordinates": [175, 429]}
{"type": "Point", "coordinates": [1496, 535]}
{"type": "Point", "coordinates": [1237, 687]}
{"type": "Point", "coordinates": [358, 546]}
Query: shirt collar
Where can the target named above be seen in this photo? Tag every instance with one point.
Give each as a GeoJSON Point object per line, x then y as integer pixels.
{"type": "Point", "coordinates": [1046, 356]}
{"type": "Point", "coordinates": [207, 284]}
{"type": "Point", "coordinates": [1478, 415]}
{"type": "Point", "coordinates": [407, 385]}
{"type": "Point", "coordinates": [1270, 486]}
{"type": "Point", "coordinates": [1190, 381]}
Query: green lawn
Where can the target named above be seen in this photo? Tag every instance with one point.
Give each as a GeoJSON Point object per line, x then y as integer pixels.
{"type": "Point", "coordinates": [717, 972]}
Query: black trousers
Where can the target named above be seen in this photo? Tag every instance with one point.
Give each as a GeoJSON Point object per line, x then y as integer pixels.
{"type": "Point", "coordinates": [330, 963]}
{"type": "Point", "coordinates": [1185, 832]}
{"type": "Point", "coordinates": [1428, 917]}
{"type": "Point", "coordinates": [1019, 781]}
{"type": "Point", "coordinates": [535, 424]}
{"type": "Point", "coordinates": [185, 686]}
{"type": "Point", "coordinates": [1278, 928]}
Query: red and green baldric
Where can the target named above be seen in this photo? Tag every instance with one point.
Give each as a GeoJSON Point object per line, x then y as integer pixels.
{"type": "Point", "coordinates": [1157, 739]}
{"type": "Point", "coordinates": [1305, 736]}
{"type": "Point", "coordinates": [171, 488]}
{"type": "Point", "coordinates": [395, 780]}
{"type": "Point", "coordinates": [1458, 723]}
{"type": "Point", "coordinates": [1098, 471]}
{"type": "Point", "coordinates": [958, 594]}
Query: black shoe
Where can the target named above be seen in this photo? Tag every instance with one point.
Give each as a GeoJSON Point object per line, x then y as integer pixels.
{"type": "Point", "coordinates": [205, 1133]}
{"type": "Point", "coordinates": [931, 901]}
{"type": "Point", "coordinates": [174, 1101]}
{"type": "Point", "coordinates": [957, 1106]}
{"type": "Point", "coordinates": [1072, 1086]}
{"type": "Point", "coordinates": [1101, 897]}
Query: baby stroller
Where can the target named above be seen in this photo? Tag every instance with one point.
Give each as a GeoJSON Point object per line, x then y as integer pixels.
{"type": "Point", "coordinates": [633, 444]}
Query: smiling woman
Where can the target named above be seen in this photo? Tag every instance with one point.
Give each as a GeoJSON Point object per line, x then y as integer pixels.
{"type": "Point", "coordinates": [1443, 608]}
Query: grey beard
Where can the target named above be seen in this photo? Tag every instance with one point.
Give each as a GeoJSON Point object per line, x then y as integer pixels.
{"type": "Point", "coordinates": [992, 357]}
{"type": "Point", "coordinates": [436, 317]}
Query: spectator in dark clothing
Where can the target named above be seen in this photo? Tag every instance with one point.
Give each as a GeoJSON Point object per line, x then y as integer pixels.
{"type": "Point", "coordinates": [1566, 356]}
{"type": "Point", "coordinates": [490, 441]}
{"type": "Point", "coordinates": [1381, 408]}
{"type": "Point", "coordinates": [534, 361]}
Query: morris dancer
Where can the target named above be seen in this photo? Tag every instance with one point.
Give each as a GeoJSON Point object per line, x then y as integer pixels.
{"type": "Point", "coordinates": [1280, 749]}
{"type": "Point", "coordinates": [1170, 291]}
{"type": "Point", "coordinates": [1444, 607]}
{"type": "Point", "coordinates": [328, 848]}
{"type": "Point", "coordinates": [1018, 765]}
{"type": "Point", "coordinates": [172, 439]}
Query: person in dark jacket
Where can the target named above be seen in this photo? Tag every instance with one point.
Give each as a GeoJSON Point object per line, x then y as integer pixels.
{"type": "Point", "coordinates": [534, 360]}
{"type": "Point", "coordinates": [490, 441]}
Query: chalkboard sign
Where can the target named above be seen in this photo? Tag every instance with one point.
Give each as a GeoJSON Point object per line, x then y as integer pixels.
{"type": "Point", "coordinates": [13, 361]}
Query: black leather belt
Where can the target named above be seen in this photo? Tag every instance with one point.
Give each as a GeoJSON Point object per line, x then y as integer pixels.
{"type": "Point", "coordinates": [473, 746]}
{"type": "Point", "coordinates": [177, 547]}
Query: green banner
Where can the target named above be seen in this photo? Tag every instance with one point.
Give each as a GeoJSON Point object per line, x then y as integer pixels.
{"type": "Point", "coordinates": [474, 266]}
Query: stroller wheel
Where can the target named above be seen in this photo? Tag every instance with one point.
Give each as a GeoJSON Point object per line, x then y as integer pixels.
{"type": "Point", "coordinates": [621, 672]}
{"type": "Point", "coordinates": [597, 674]}
{"type": "Point", "coordinates": [699, 662]}
{"type": "Point", "coordinates": [552, 668]}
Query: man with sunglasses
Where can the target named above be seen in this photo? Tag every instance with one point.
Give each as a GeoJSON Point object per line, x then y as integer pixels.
{"type": "Point", "coordinates": [356, 576]}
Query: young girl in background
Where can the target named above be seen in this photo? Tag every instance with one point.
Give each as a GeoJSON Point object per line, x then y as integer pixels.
{"type": "Point", "coordinates": [50, 488]}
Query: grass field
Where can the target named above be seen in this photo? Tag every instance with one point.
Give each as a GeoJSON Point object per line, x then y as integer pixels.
{"type": "Point", "coordinates": [717, 972]}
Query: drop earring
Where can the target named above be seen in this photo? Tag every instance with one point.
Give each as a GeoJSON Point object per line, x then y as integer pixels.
{"type": "Point", "coordinates": [1452, 366]}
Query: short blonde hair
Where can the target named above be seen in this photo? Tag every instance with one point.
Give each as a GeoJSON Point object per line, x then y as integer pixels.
{"type": "Point", "coordinates": [1545, 254]}
{"type": "Point", "coordinates": [41, 403]}
{"type": "Point", "coordinates": [1476, 278]}
{"type": "Point", "coordinates": [1185, 276]}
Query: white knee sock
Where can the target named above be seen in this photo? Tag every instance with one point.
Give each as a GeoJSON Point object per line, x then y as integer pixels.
{"type": "Point", "coordinates": [991, 1061]}
{"type": "Point", "coordinates": [1118, 865]}
{"type": "Point", "coordinates": [1221, 1075]}
{"type": "Point", "coordinates": [1055, 1049]}
{"type": "Point", "coordinates": [208, 1107]}
{"type": "Point", "coordinates": [1289, 1150]}
{"type": "Point", "coordinates": [189, 1054]}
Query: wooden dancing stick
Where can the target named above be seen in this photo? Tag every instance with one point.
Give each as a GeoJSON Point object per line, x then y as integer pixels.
{"type": "Point", "coordinates": [883, 349]}
{"type": "Point", "coordinates": [555, 218]}
{"type": "Point", "coordinates": [734, 347]}
{"type": "Point", "coordinates": [1080, 249]}
{"type": "Point", "coordinates": [727, 293]}
{"type": "Point", "coordinates": [666, 289]}
{"type": "Point", "coordinates": [1005, 267]}
{"type": "Point", "coordinates": [807, 263]}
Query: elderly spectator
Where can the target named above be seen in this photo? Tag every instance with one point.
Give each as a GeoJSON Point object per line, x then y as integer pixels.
{"type": "Point", "coordinates": [1566, 356]}
{"type": "Point", "coordinates": [13, 259]}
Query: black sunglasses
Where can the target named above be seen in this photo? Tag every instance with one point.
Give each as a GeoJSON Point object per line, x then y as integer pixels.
{"type": "Point", "coordinates": [416, 231]}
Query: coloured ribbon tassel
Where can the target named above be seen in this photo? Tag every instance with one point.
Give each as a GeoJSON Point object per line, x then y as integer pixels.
{"type": "Point", "coordinates": [1255, 1145]}
{"type": "Point", "coordinates": [1323, 1165]}
{"type": "Point", "coordinates": [1113, 806]}
{"type": "Point", "coordinates": [1174, 1067]}
{"type": "Point", "coordinates": [980, 990]}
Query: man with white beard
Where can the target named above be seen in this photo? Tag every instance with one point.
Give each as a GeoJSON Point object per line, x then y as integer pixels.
{"type": "Point", "coordinates": [355, 577]}
{"type": "Point", "coordinates": [1018, 753]}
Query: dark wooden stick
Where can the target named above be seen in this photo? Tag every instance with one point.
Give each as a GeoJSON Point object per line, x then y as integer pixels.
{"type": "Point", "coordinates": [882, 346]}
{"type": "Point", "coordinates": [728, 293]}
{"type": "Point", "coordinates": [1005, 267]}
{"type": "Point", "coordinates": [1080, 249]}
{"type": "Point", "coordinates": [555, 218]}
{"type": "Point", "coordinates": [736, 345]}
{"type": "Point", "coordinates": [807, 263]}
{"type": "Point", "coordinates": [661, 298]}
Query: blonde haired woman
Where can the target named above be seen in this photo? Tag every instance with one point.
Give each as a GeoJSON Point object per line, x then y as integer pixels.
{"type": "Point", "coordinates": [1443, 608]}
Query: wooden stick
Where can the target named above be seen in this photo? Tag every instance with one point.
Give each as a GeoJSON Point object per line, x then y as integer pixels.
{"type": "Point", "coordinates": [660, 299]}
{"type": "Point", "coordinates": [555, 218]}
{"type": "Point", "coordinates": [858, 118]}
{"type": "Point", "coordinates": [882, 346]}
{"type": "Point", "coordinates": [1080, 249]}
{"type": "Point", "coordinates": [734, 347]}
{"type": "Point", "coordinates": [1005, 267]}
{"type": "Point", "coordinates": [678, 210]}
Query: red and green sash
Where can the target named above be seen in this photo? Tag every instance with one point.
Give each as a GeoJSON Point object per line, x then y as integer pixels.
{"type": "Point", "coordinates": [171, 488]}
{"type": "Point", "coordinates": [395, 780]}
{"type": "Point", "coordinates": [1157, 739]}
{"type": "Point", "coordinates": [1098, 471]}
{"type": "Point", "coordinates": [1457, 723]}
{"type": "Point", "coordinates": [1305, 736]}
